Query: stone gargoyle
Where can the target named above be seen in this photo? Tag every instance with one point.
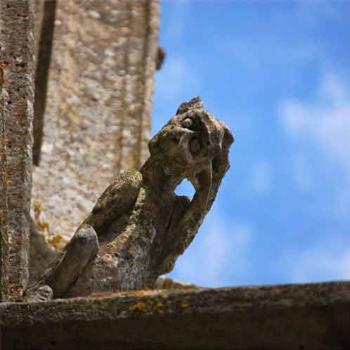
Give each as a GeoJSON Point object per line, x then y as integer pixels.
{"type": "Point", "coordinates": [139, 226]}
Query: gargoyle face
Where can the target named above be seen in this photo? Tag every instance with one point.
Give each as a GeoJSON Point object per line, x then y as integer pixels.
{"type": "Point", "coordinates": [190, 140]}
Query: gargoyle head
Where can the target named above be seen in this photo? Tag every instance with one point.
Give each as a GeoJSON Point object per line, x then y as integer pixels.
{"type": "Point", "coordinates": [190, 140]}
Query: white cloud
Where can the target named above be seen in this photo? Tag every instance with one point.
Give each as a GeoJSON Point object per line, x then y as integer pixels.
{"type": "Point", "coordinates": [267, 50]}
{"type": "Point", "coordinates": [322, 264]}
{"type": "Point", "coordinates": [326, 121]}
{"type": "Point", "coordinates": [325, 124]}
{"type": "Point", "coordinates": [220, 250]}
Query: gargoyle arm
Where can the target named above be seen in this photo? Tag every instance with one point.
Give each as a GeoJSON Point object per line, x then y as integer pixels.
{"type": "Point", "coordinates": [115, 202]}
{"type": "Point", "coordinates": [207, 183]}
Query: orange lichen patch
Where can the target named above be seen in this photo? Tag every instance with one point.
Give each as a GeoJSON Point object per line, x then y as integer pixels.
{"type": "Point", "coordinates": [43, 225]}
{"type": "Point", "coordinates": [131, 293]}
{"type": "Point", "coordinates": [54, 240]}
{"type": "Point", "coordinates": [139, 293]}
{"type": "Point", "coordinates": [57, 242]}
{"type": "Point", "coordinates": [153, 306]}
{"type": "Point", "coordinates": [98, 295]}
{"type": "Point", "coordinates": [139, 307]}
{"type": "Point", "coordinates": [3, 64]}
{"type": "Point", "coordinates": [40, 220]}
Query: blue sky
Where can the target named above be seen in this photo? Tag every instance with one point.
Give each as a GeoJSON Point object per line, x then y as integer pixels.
{"type": "Point", "coordinates": [278, 73]}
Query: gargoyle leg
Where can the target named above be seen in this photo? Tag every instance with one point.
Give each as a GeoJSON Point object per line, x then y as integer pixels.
{"type": "Point", "coordinates": [81, 250]}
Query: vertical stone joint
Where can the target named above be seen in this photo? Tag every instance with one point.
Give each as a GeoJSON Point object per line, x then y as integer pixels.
{"type": "Point", "coordinates": [42, 74]}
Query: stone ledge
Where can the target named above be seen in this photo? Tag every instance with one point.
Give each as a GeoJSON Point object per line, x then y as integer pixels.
{"type": "Point", "coordinates": [309, 316]}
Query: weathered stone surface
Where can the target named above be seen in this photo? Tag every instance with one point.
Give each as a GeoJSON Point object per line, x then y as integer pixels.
{"type": "Point", "coordinates": [311, 316]}
{"type": "Point", "coordinates": [139, 226]}
{"type": "Point", "coordinates": [97, 119]}
{"type": "Point", "coordinates": [16, 117]}
{"type": "Point", "coordinates": [168, 283]}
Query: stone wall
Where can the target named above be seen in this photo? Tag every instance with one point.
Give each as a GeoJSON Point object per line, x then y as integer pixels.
{"type": "Point", "coordinates": [97, 119]}
{"type": "Point", "coordinates": [16, 117]}
{"type": "Point", "coordinates": [310, 316]}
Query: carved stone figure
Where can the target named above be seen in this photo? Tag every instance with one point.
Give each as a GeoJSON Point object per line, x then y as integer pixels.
{"type": "Point", "coordinates": [139, 226]}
